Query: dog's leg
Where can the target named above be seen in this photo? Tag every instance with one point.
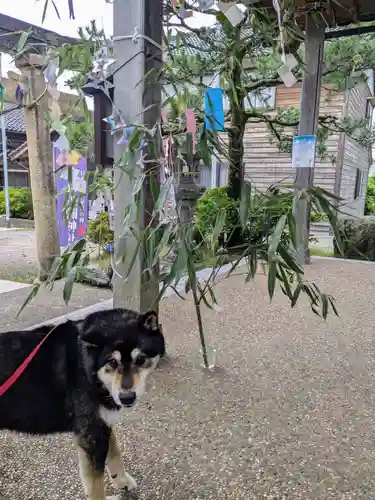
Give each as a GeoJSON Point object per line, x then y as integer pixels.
{"type": "Point", "coordinates": [93, 448]}
{"type": "Point", "coordinates": [92, 476]}
{"type": "Point", "coordinates": [120, 478]}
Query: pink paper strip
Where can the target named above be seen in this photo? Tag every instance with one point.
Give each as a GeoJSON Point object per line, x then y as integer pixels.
{"type": "Point", "coordinates": [191, 125]}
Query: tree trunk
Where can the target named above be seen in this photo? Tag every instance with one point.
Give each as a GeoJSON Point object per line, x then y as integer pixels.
{"type": "Point", "coordinates": [235, 152]}
{"type": "Point", "coordinates": [237, 128]}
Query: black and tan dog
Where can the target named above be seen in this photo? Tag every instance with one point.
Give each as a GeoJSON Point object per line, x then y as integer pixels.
{"type": "Point", "coordinates": [79, 380]}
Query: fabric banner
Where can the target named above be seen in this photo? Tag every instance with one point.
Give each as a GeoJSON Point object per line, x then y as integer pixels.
{"type": "Point", "coordinates": [75, 228]}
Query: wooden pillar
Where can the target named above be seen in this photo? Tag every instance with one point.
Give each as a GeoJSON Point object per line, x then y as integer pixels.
{"type": "Point", "coordinates": [134, 58]}
{"type": "Point", "coordinates": [42, 177]}
{"type": "Point", "coordinates": [310, 97]}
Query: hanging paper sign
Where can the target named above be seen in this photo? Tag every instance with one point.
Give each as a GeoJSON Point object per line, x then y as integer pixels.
{"type": "Point", "coordinates": [2, 92]}
{"type": "Point", "coordinates": [303, 155]}
{"type": "Point", "coordinates": [191, 126]}
{"type": "Point", "coordinates": [19, 94]}
{"type": "Point", "coordinates": [287, 76]}
{"type": "Point", "coordinates": [214, 109]}
{"type": "Point", "coordinates": [232, 12]}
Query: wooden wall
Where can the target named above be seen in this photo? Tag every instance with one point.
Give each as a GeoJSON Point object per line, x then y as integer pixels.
{"type": "Point", "coordinates": [355, 156]}
{"type": "Point", "coordinates": [265, 164]}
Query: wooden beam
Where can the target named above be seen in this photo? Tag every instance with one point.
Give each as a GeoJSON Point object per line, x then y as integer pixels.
{"type": "Point", "coordinates": [308, 124]}
{"type": "Point", "coordinates": [39, 37]}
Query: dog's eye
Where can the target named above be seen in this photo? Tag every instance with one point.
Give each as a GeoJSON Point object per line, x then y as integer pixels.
{"type": "Point", "coordinates": [112, 363]}
{"type": "Point", "coordinates": [141, 360]}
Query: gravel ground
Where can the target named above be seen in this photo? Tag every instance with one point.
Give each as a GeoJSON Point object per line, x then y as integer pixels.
{"type": "Point", "coordinates": [18, 255]}
{"type": "Point", "coordinates": [287, 414]}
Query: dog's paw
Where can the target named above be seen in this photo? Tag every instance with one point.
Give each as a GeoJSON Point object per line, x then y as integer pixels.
{"type": "Point", "coordinates": [124, 481]}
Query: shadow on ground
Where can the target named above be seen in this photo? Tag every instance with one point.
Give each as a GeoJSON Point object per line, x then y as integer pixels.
{"type": "Point", "coordinates": [289, 411]}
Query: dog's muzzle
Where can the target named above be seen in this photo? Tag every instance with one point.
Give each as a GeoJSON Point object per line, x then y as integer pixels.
{"type": "Point", "coordinates": [128, 398]}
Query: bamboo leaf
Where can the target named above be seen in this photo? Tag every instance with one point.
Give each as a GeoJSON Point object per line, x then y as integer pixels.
{"type": "Point", "coordinates": [30, 297]}
{"type": "Point", "coordinates": [138, 184]}
{"type": "Point", "coordinates": [292, 229]}
{"type": "Point", "coordinates": [160, 202]}
{"type": "Point", "coordinates": [68, 286]}
{"type": "Point", "coordinates": [218, 229]}
{"type": "Point", "coordinates": [272, 278]}
{"type": "Point", "coordinates": [22, 41]}
{"type": "Point", "coordinates": [162, 243]}
{"type": "Point", "coordinates": [276, 237]}
{"type": "Point", "coordinates": [289, 260]}
{"type": "Point", "coordinates": [296, 294]}
{"type": "Point", "coordinates": [245, 203]}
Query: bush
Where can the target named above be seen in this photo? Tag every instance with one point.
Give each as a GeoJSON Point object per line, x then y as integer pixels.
{"type": "Point", "coordinates": [208, 208]}
{"type": "Point", "coordinates": [370, 196]}
{"type": "Point", "coordinates": [99, 230]}
{"type": "Point", "coordinates": [261, 221]}
{"type": "Point", "coordinates": [358, 238]}
{"type": "Point", "coordinates": [20, 203]}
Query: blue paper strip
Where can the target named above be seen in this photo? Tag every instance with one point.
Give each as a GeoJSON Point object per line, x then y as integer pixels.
{"type": "Point", "coordinates": [214, 109]}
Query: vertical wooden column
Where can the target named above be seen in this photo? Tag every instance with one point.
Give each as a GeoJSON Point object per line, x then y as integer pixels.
{"type": "Point", "coordinates": [310, 97]}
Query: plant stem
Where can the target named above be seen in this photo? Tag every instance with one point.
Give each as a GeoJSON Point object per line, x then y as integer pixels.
{"type": "Point", "coordinates": [200, 324]}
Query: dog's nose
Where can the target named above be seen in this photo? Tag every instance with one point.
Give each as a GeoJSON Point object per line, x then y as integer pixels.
{"type": "Point", "coordinates": [128, 398]}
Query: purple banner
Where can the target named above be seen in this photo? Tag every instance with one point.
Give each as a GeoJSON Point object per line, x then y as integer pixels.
{"type": "Point", "coordinates": [75, 228]}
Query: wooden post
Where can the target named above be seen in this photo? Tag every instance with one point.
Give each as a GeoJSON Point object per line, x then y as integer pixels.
{"type": "Point", "coordinates": [134, 59]}
{"type": "Point", "coordinates": [310, 97]}
{"type": "Point", "coordinates": [42, 177]}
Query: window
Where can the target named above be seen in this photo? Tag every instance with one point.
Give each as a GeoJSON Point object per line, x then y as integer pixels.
{"type": "Point", "coordinates": [360, 184]}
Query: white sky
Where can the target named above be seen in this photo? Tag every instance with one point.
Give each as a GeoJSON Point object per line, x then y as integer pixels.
{"type": "Point", "coordinates": [85, 10]}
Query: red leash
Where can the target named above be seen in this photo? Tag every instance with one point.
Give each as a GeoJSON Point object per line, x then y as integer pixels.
{"type": "Point", "coordinates": [16, 375]}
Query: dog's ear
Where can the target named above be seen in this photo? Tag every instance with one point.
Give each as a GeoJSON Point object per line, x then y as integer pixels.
{"type": "Point", "coordinates": [150, 321]}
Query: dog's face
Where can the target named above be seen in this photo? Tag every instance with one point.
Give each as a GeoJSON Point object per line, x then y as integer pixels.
{"type": "Point", "coordinates": [124, 355]}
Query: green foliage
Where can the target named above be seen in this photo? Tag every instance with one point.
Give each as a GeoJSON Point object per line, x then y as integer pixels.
{"type": "Point", "coordinates": [209, 207]}
{"type": "Point", "coordinates": [20, 203]}
{"type": "Point", "coordinates": [80, 135]}
{"type": "Point", "coordinates": [370, 196]}
{"type": "Point", "coordinates": [358, 238]}
{"type": "Point", "coordinates": [99, 230]}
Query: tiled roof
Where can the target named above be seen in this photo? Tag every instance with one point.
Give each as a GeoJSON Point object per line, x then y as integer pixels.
{"type": "Point", "coordinates": [14, 120]}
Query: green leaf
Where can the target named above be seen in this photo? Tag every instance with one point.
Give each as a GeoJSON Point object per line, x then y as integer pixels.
{"type": "Point", "coordinates": [138, 184]}
{"type": "Point", "coordinates": [219, 226]}
{"type": "Point", "coordinates": [68, 286]}
{"type": "Point", "coordinates": [245, 203]}
{"type": "Point", "coordinates": [292, 229]}
{"type": "Point", "coordinates": [22, 41]}
{"type": "Point", "coordinates": [30, 297]}
{"type": "Point", "coordinates": [160, 202]}
{"type": "Point", "coordinates": [154, 188]}
{"type": "Point", "coordinates": [133, 259]}
{"type": "Point", "coordinates": [296, 294]}
{"type": "Point", "coordinates": [162, 243]}
{"type": "Point", "coordinates": [44, 11]}
{"type": "Point", "coordinates": [272, 278]}
{"type": "Point", "coordinates": [289, 260]}
{"type": "Point", "coordinates": [276, 237]}
{"type": "Point", "coordinates": [288, 290]}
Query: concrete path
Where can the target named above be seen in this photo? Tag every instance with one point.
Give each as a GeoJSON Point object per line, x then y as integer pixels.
{"type": "Point", "coordinates": [288, 414]}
